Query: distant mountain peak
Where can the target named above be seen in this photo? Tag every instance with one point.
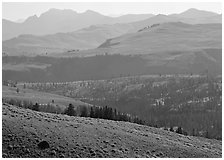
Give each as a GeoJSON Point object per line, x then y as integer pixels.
{"type": "Point", "coordinates": [54, 11]}
{"type": "Point", "coordinates": [161, 15]}
{"type": "Point", "coordinates": [31, 18]}
{"type": "Point", "coordinates": [196, 12]}
{"type": "Point", "coordinates": [91, 12]}
{"type": "Point", "coordinates": [192, 9]}
{"type": "Point", "coordinates": [60, 10]}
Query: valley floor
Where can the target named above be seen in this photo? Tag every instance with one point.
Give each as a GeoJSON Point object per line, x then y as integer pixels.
{"type": "Point", "coordinates": [23, 129]}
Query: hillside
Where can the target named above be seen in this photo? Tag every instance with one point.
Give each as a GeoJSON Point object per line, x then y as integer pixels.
{"type": "Point", "coordinates": [72, 38]}
{"type": "Point", "coordinates": [23, 130]}
{"type": "Point", "coordinates": [173, 36]}
{"type": "Point", "coordinates": [56, 20]}
{"type": "Point", "coordinates": [196, 13]}
{"type": "Point", "coordinates": [86, 38]}
{"type": "Point", "coordinates": [30, 95]}
{"type": "Point", "coordinates": [49, 69]}
{"type": "Point", "coordinates": [190, 101]}
{"type": "Point", "coordinates": [194, 17]}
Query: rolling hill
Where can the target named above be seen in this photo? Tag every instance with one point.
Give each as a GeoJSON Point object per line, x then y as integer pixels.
{"type": "Point", "coordinates": [86, 38]}
{"type": "Point", "coordinates": [27, 133]}
{"type": "Point", "coordinates": [55, 21]}
{"type": "Point", "coordinates": [173, 36]}
{"type": "Point", "coordinates": [165, 48]}
{"type": "Point", "coordinates": [190, 13]}
{"type": "Point", "coordinates": [173, 45]}
{"type": "Point", "coordinates": [49, 69]}
{"type": "Point", "coordinates": [9, 93]}
{"type": "Point", "coordinates": [89, 37]}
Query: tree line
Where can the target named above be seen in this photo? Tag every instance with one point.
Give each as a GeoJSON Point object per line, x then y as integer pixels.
{"type": "Point", "coordinates": [104, 112]}
{"type": "Point", "coordinates": [82, 111]}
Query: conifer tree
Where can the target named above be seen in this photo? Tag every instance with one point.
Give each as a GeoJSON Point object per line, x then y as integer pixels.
{"type": "Point", "coordinates": [84, 112]}
{"type": "Point", "coordinates": [91, 113]}
{"type": "Point", "coordinates": [70, 110]}
{"type": "Point", "coordinates": [36, 107]}
{"type": "Point", "coordinates": [179, 130]}
{"type": "Point", "coordinates": [171, 129]}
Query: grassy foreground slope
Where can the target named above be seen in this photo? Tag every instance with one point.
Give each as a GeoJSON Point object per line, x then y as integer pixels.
{"type": "Point", "coordinates": [23, 129]}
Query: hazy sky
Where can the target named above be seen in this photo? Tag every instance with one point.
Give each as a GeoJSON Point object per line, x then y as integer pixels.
{"type": "Point", "coordinates": [21, 10]}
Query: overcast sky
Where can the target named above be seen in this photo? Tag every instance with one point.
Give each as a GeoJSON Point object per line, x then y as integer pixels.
{"type": "Point", "coordinates": [14, 10]}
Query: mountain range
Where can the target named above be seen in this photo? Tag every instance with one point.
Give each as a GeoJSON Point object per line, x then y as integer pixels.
{"type": "Point", "coordinates": [86, 38]}
{"type": "Point", "coordinates": [95, 76]}
{"type": "Point", "coordinates": [39, 35]}
{"type": "Point", "coordinates": [55, 20]}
